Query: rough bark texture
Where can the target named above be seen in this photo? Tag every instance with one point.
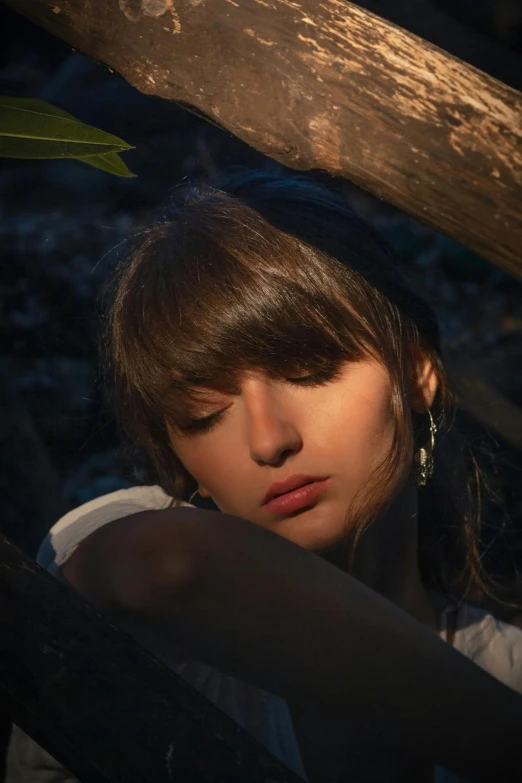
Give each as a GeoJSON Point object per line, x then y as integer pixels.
{"type": "Point", "coordinates": [435, 22]}
{"type": "Point", "coordinates": [327, 86]}
{"type": "Point", "coordinates": [100, 704]}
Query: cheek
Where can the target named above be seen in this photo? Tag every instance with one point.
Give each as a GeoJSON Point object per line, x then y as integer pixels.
{"type": "Point", "coordinates": [204, 459]}
{"type": "Point", "coordinates": [360, 430]}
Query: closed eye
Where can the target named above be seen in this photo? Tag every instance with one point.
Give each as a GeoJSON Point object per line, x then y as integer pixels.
{"type": "Point", "coordinates": [313, 379]}
{"type": "Point", "coordinates": [204, 424]}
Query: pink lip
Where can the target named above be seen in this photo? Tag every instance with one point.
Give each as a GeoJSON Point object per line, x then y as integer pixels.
{"type": "Point", "coordinates": [292, 482]}
{"type": "Point", "coordinates": [295, 499]}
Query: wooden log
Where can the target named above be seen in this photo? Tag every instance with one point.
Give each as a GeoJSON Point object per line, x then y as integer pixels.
{"type": "Point", "coordinates": [101, 704]}
{"type": "Point", "coordinates": [327, 86]}
{"type": "Point", "coordinates": [433, 21]}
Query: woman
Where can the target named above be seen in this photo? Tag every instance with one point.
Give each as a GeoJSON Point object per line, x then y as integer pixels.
{"type": "Point", "coordinates": [267, 353]}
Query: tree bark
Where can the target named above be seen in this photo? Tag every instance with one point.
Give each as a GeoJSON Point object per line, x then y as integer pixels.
{"type": "Point", "coordinates": [436, 23]}
{"type": "Point", "coordinates": [327, 86]}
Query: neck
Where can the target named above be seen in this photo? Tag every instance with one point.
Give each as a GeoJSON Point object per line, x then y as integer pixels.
{"type": "Point", "coordinates": [386, 559]}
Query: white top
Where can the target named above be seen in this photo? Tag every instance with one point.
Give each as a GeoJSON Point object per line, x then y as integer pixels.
{"type": "Point", "coordinates": [490, 643]}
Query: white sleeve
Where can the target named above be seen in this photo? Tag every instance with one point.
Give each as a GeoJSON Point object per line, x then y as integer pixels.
{"type": "Point", "coordinates": [76, 525]}
{"type": "Point", "coordinates": [27, 762]}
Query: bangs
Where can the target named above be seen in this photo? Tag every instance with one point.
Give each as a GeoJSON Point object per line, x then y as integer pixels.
{"type": "Point", "coordinates": [230, 297]}
{"type": "Point", "coordinates": [260, 272]}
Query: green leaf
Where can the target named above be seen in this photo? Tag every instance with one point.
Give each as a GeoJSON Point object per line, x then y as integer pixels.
{"type": "Point", "coordinates": [31, 128]}
{"type": "Point", "coordinates": [109, 162]}
{"type": "Point", "coordinates": [36, 105]}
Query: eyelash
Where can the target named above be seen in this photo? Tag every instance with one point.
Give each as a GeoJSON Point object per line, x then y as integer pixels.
{"type": "Point", "coordinates": [307, 380]}
{"type": "Point", "coordinates": [315, 379]}
{"type": "Point", "coordinates": [205, 424]}
{"type": "Point", "coordinates": [198, 426]}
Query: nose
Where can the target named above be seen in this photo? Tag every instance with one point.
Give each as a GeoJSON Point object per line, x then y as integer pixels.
{"type": "Point", "coordinates": [273, 434]}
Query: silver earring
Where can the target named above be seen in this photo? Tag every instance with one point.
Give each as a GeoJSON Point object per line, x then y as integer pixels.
{"type": "Point", "coordinates": [194, 493]}
{"type": "Point", "coordinates": [423, 460]}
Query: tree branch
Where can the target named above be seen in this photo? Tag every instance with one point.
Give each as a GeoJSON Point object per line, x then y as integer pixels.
{"type": "Point", "coordinates": [327, 86]}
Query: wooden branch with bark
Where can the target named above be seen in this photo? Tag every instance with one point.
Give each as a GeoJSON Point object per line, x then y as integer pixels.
{"type": "Point", "coordinates": [327, 86]}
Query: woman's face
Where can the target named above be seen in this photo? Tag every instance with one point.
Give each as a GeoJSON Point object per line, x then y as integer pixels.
{"type": "Point", "coordinates": [273, 431]}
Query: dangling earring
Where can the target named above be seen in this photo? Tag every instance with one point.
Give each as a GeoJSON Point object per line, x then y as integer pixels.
{"type": "Point", "coordinates": [423, 460]}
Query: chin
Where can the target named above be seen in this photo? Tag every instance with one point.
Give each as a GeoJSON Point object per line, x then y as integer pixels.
{"type": "Point", "coordinates": [315, 533]}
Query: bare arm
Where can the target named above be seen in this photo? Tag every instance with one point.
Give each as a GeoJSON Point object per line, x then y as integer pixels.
{"type": "Point", "coordinates": [262, 609]}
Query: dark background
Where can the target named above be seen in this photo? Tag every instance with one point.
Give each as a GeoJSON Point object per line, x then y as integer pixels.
{"type": "Point", "coordinates": [61, 223]}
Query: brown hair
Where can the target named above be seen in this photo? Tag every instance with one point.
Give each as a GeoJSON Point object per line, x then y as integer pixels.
{"type": "Point", "coordinates": [252, 270]}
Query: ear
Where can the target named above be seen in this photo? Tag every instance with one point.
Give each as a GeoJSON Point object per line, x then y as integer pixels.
{"type": "Point", "coordinates": [422, 380]}
{"type": "Point", "coordinates": [203, 491]}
